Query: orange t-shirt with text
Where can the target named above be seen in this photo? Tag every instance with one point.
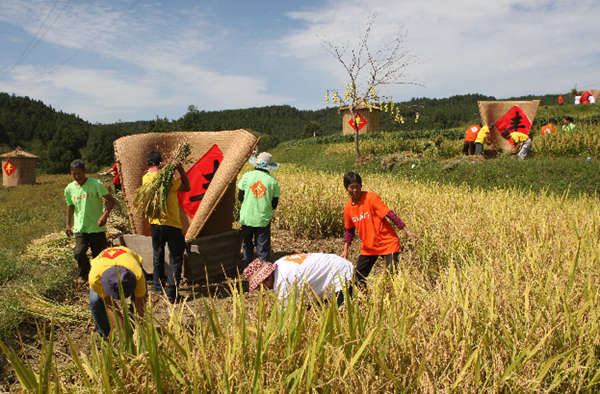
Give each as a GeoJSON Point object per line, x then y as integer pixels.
{"type": "Point", "coordinates": [471, 133]}
{"type": "Point", "coordinates": [368, 217]}
{"type": "Point", "coordinates": [549, 129]}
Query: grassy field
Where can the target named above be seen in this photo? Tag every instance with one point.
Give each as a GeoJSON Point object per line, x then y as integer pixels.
{"type": "Point", "coordinates": [500, 295]}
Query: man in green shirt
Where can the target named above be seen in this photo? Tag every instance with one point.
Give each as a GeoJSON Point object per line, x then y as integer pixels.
{"type": "Point", "coordinates": [259, 194]}
{"type": "Point", "coordinates": [85, 210]}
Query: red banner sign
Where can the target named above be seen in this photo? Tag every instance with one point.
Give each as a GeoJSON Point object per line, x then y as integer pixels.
{"type": "Point", "coordinates": [9, 168]}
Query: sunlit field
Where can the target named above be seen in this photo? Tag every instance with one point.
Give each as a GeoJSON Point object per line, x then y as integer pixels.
{"type": "Point", "coordinates": [500, 295]}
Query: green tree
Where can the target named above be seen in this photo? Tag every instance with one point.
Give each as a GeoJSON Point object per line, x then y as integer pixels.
{"type": "Point", "coordinates": [62, 150]}
{"type": "Point", "coordinates": [312, 129]}
{"type": "Point", "coordinates": [440, 121]}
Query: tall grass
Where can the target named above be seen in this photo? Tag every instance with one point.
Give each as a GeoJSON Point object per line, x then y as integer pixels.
{"type": "Point", "coordinates": [584, 140]}
{"type": "Point", "coordinates": [499, 296]}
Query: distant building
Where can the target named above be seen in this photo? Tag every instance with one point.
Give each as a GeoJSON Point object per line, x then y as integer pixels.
{"type": "Point", "coordinates": [18, 168]}
{"type": "Point", "coordinates": [367, 117]}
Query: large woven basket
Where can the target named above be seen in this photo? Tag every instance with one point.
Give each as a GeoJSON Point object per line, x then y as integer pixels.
{"type": "Point", "coordinates": [236, 145]}
{"type": "Point", "coordinates": [492, 111]}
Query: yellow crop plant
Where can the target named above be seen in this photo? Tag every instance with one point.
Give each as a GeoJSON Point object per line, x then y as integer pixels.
{"type": "Point", "coordinates": [500, 296]}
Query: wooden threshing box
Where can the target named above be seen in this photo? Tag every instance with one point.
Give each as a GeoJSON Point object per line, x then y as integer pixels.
{"type": "Point", "coordinates": [213, 247]}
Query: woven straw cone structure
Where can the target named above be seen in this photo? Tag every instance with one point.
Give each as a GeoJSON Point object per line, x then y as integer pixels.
{"type": "Point", "coordinates": [594, 92]}
{"type": "Point", "coordinates": [236, 145]}
{"type": "Point", "coordinates": [492, 111]}
{"type": "Point", "coordinates": [25, 168]}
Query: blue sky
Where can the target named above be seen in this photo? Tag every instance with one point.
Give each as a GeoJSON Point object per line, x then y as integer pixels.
{"type": "Point", "coordinates": [104, 63]}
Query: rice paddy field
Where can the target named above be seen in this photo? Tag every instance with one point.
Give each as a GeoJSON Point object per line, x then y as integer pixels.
{"type": "Point", "coordinates": [500, 295]}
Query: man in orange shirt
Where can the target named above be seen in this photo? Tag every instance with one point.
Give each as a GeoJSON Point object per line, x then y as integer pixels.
{"type": "Point", "coordinates": [550, 127]}
{"type": "Point", "coordinates": [470, 136]}
{"type": "Point", "coordinates": [560, 100]}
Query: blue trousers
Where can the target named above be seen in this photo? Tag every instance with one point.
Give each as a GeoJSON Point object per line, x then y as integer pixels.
{"type": "Point", "coordinates": [259, 237]}
{"type": "Point", "coordinates": [99, 314]}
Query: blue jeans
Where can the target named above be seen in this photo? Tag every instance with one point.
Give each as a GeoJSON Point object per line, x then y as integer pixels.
{"type": "Point", "coordinates": [262, 235]}
{"type": "Point", "coordinates": [172, 236]}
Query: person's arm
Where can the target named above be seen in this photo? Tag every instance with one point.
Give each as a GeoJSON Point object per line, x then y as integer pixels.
{"type": "Point", "coordinates": [275, 202]}
{"type": "Point", "coordinates": [140, 305]}
{"type": "Point", "coordinates": [185, 181]}
{"type": "Point", "coordinates": [348, 237]}
{"type": "Point", "coordinates": [241, 195]}
{"type": "Point", "coordinates": [108, 301]}
{"type": "Point", "coordinates": [401, 226]}
{"type": "Point", "coordinates": [110, 204]}
{"type": "Point", "coordinates": [70, 213]}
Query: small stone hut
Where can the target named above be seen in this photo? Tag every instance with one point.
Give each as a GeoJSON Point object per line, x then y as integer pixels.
{"type": "Point", "coordinates": [368, 117]}
{"type": "Point", "coordinates": [18, 168]}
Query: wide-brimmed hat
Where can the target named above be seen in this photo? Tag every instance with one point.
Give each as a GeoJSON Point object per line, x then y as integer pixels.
{"type": "Point", "coordinates": [110, 281]}
{"type": "Point", "coordinates": [264, 161]}
{"type": "Point", "coordinates": [257, 271]}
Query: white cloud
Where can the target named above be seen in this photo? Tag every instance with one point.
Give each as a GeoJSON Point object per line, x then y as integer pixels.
{"type": "Point", "coordinates": [501, 47]}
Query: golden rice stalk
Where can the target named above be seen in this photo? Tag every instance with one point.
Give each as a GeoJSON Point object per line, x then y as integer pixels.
{"type": "Point", "coordinates": [151, 197]}
{"type": "Point", "coordinates": [39, 307]}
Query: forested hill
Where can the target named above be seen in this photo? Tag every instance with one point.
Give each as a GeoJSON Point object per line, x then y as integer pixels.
{"type": "Point", "coordinates": [58, 138]}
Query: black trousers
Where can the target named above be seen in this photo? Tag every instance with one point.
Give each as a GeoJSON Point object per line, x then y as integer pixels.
{"type": "Point", "coordinates": [468, 148]}
{"type": "Point", "coordinates": [83, 242]}
{"type": "Point", "coordinates": [366, 263]}
{"type": "Point", "coordinates": [172, 236]}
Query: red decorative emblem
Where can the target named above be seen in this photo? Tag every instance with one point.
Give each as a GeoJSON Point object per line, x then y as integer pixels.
{"type": "Point", "coordinates": [9, 168]}
{"type": "Point", "coordinates": [360, 121]}
{"type": "Point", "coordinates": [112, 253]}
{"type": "Point", "coordinates": [200, 176]}
{"type": "Point", "coordinates": [515, 120]}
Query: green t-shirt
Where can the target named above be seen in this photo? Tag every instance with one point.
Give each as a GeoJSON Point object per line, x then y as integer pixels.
{"type": "Point", "coordinates": [87, 200]}
{"type": "Point", "coordinates": [260, 188]}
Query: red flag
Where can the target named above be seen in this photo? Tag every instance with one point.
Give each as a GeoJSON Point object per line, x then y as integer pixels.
{"type": "Point", "coordinates": [200, 175]}
{"type": "Point", "coordinates": [9, 168]}
{"type": "Point", "coordinates": [515, 120]}
{"type": "Point", "coordinates": [359, 120]}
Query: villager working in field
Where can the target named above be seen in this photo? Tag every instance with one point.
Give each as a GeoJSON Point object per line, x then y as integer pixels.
{"type": "Point", "coordinates": [483, 138]}
{"type": "Point", "coordinates": [114, 265]}
{"type": "Point", "coordinates": [522, 143]}
{"type": "Point", "coordinates": [470, 137]}
{"type": "Point", "coordinates": [367, 213]}
{"type": "Point", "coordinates": [85, 210]}
{"type": "Point", "coordinates": [114, 172]}
{"type": "Point", "coordinates": [550, 127]}
{"type": "Point", "coordinates": [321, 273]}
{"type": "Point", "coordinates": [166, 230]}
{"type": "Point", "coordinates": [259, 193]}
{"type": "Point", "coordinates": [568, 124]}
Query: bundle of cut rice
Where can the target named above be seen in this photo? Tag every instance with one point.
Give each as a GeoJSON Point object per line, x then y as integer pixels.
{"type": "Point", "coordinates": [151, 198]}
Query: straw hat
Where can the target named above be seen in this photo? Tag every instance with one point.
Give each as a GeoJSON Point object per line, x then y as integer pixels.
{"type": "Point", "coordinates": [257, 271]}
{"type": "Point", "coordinates": [264, 161]}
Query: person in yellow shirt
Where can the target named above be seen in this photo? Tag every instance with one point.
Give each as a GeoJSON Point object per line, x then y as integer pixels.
{"type": "Point", "coordinates": [482, 138]}
{"type": "Point", "coordinates": [166, 230]}
{"type": "Point", "coordinates": [522, 143]}
{"type": "Point", "coordinates": [111, 266]}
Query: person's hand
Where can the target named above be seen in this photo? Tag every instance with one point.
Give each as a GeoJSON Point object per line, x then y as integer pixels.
{"type": "Point", "coordinates": [68, 231]}
{"type": "Point", "coordinates": [102, 221]}
{"type": "Point", "coordinates": [412, 235]}
{"type": "Point", "coordinates": [344, 255]}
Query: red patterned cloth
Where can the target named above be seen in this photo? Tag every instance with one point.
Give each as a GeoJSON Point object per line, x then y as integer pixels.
{"type": "Point", "coordinates": [257, 271]}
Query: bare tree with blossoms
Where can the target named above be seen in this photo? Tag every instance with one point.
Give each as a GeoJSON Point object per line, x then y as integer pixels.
{"type": "Point", "coordinates": [368, 71]}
